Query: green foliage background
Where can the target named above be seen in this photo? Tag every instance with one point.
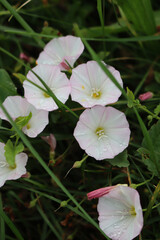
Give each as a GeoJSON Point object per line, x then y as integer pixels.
{"type": "Point", "coordinates": [124, 34]}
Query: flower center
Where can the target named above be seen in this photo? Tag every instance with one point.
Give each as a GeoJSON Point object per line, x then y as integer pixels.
{"type": "Point", "coordinates": [100, 132]}
{"type": "Point", "coordinates": [132, 211]}
{"type": "Point", "coordinates": [96, 93]}
{"type": "Point", "coordinates": [46, 95]}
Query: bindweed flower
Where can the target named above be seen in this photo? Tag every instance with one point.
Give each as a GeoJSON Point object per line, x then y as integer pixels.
{"type": "Point", "coordinates": [145, 96]}
{"type": "Point", "coordinates": [103, 132]}
{"type": "Point", "coordinates": [62, 49]}
{"type": "Point", "coordinates": [56, 81]}
{"type": "Point", "coordinates": [120, 213]}
{"type": "Point", "coordinates": [91, 86]}
{"type": "Point", "coordinates": [18, 106]}
{"type": "Point", "coordinates": [8, 173]}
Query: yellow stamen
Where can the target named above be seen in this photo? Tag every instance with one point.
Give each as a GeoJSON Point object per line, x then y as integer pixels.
{"type": "Point", "coordinates": [95, 93]}
{"type": "Point", "coordinates": [132, 211]}
{"type": "Point", "coordinates": [46, 95]}
{"type": "Point", "coordinates": [83, 87]}
{"type": "Point", "coordinates": [99, 131]}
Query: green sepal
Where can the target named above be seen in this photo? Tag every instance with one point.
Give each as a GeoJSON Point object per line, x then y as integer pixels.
{"type": "Point", "coordinates": [157, 110]}
{"type": "Point", "coordinates": [20, 76]}
{"type": "Point", "coordinates": [11, 151]}
{"type": "Point", "coordinates": [131, 98]}
{"type": "Point", "coordinates": [22, 121]}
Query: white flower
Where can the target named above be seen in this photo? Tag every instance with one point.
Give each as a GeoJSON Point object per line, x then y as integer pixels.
{"type": "Point", "coordinates": [91, 86]}
{"type": "Point", "coordinates": [8, 173]}
{"type": "Point", "coordinates": [56, 81]}
{"type": "Point", "coordinates": [120, 213]}
{"type": "Point", "coordinates": [19, 107]}
{"type": "Point", "coordinates": [58, 50]}
{"type": "Point", "coordinates": [103, 132]}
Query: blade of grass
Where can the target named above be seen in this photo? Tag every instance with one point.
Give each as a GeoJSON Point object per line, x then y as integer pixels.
{"type": "Point", "coordinates": [48, 170]}
{"type": "Point", "coordinates": [138, 13]}
{"type": "Point", "coordinates": [10, 225]}
{"type": "Point", "coordinates": [141, 83]}
{"type": "Point", "coordinates": [108, 39]}
{"type": "Point", "coordinates": [152, 201]}
{"type": "Point", "coordinates": [101, 17]}
{"type": "Point", "coordinates": [21, 21]}
{"type": "Point", "coordinates": [2, 223]}
{"type": "Point", "coordinates": [99, 9]}
{"type": "Point", "coordinates": [45, 218]}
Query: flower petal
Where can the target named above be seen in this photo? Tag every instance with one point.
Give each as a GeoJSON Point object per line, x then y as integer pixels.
{"type": "Point", "coordinates": [60, 49]}
{"type": "Point", "coordinates": [56, 81]}
{"type": "Point", "coordinates": [91, 86]}
{"type": "Point", "coordinates": [114, 127]}
{"type": "Point", "coordinates": [115, 217]}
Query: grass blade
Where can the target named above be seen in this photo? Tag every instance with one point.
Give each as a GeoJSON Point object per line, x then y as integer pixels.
{"type": "Point", "coordinates": [10, 225]}
{"type": "Point", "coordinates": [2, 223]}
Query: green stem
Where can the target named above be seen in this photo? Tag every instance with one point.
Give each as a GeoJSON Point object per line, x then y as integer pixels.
{"type": "Point", "coordinates": [152, 201]}
{"type": "Point", "coordinates": [157, 205]}
{"type": "Point", "coordinates": [149, 112]}
{"type": "Point", "coordinates": [21, 21]}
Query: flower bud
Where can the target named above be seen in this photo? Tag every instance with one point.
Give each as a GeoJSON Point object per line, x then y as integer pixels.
{"type": "Point", "coordinates": [145, 96]}
{"type": "Point", "coordinates": [51, 141]}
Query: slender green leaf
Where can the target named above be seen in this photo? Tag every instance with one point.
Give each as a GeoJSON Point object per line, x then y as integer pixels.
{"type": "Point", "coordinates": [11, 225]}
{"type": "Point", "coordinates": [138, 13]}
{"type": "Point", "coordinates": [2, 223]}
{"type": "Point", "coordinates": [45, 218]}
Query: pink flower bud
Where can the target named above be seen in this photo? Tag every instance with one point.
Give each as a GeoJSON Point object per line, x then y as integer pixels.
{"type": "Point", "coordinates": [145, 96]}
{"type": "Point", "coordinates": [99, 192]}
{"type": "Point", "coordinates": [23, 56]}
{"type": "Point", "coordinates": [51, 141]}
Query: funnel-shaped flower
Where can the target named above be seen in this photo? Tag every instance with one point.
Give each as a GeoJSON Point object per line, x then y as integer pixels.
{"type": "Point", "coordinates": [120, 213]}
{"type": "Point", "coordinates": [58, 50]}
{"type": "Point", "coordinates": [8, 173]}
{"type": "Point", "coordinates": [91, 86]}
{"type": "Point", "coordinates": [19, 107]}
{"type": "Point", "coordinates": [56, 81]}
{"type": "Point", "coordinates": [103, 132]}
